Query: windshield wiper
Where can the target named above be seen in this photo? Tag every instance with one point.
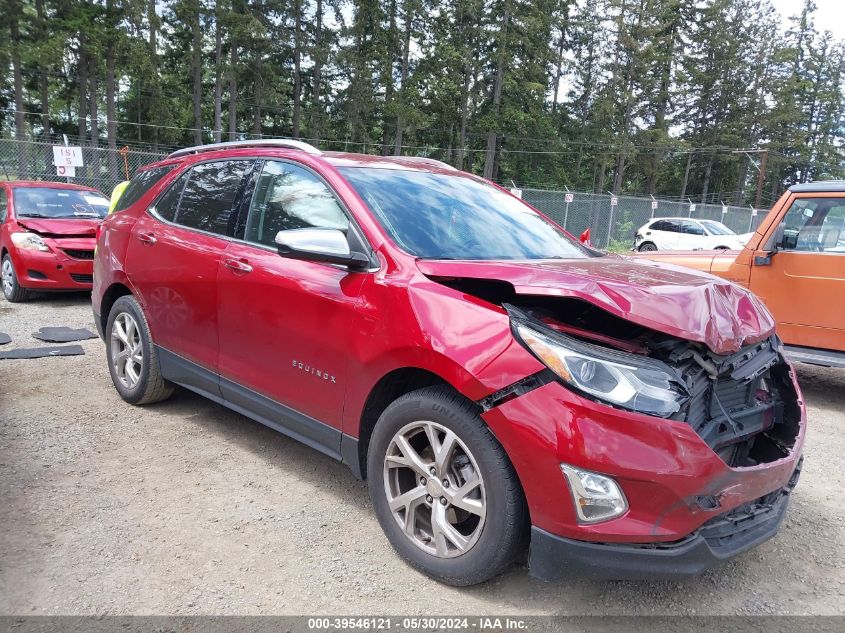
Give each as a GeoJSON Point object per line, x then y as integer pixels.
{"type": "Point", "coordinates": [33, 215]}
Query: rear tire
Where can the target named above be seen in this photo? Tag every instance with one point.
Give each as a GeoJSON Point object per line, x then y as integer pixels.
{"type": "Point", "coordinates": [132, 357]}
{"type": "Point", "coordinates": [12, 289]}
{"type": "Point", "coordinates": [647, 247]}
{"type": "Point", "coordinates": [468, 521]}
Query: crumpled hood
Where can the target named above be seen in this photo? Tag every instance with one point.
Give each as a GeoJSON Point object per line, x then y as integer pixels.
{"type": "Point", "coordinates": [62, 226]}
{"type": "Point", "coordinates": [667, 298]}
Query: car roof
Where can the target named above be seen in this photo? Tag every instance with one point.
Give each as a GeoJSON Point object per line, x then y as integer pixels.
{"type": "Point", "coordinates": [674, 218]}
{"type": "Point", "coordinates": [50, 185]}
{"type": "Point", "coordinates": [823, 186]}
{"type": "Point", "coordinates": [288, 147]}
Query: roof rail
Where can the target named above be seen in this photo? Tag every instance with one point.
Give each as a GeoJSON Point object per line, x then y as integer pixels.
{"type": "Point", "coordinates": [425, 161]}
{"type": "Point", "coordinates": [286, 143]}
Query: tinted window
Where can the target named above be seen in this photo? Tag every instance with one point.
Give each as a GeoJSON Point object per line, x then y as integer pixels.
{"type": "Point", "coordinates": [660, 225]}
{"type": "Point", "coordinates": [139, 185]}
{"type": "Point", "coordinates": [4, 200]}
{"type": "Point", "coordinates": [290, 197]}
{"type": "Point", "coordinates": [208, 199]}
{"type": "Point", "coordinates": [167, 204]}
{"type": "Point", "coordinates": [447, 216]}
{"type": "Point", "coordinates": [48, 202]}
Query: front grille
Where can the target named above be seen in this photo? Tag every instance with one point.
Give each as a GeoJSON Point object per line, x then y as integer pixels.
{"type": "Point", "coordinates": [743, 405]}
{"type": "Point", "coordinates": [79, 253]}
{"type": "Point", "coordinates": [83, 279]}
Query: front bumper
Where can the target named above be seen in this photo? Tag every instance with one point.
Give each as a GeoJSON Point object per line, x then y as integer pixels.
{"type": "Point", "coordinates": [675, 484]}
{"type": "Point", "coordinates": [66, 266]}
{"type": "Point", "coordinates": [554, 557]}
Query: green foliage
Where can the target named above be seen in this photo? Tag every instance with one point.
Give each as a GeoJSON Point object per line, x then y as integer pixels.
{"type": "Point", "coordinates": [640, 96]}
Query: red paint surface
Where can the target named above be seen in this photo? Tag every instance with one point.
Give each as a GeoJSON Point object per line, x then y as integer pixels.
{"type": "Point", "coordinates": [256, 328]}
{"type": "Point", "coordinates": [59, 234]}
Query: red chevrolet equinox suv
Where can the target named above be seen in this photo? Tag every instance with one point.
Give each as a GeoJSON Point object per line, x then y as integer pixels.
{"type": "Point", "coordinates": [502, 388]}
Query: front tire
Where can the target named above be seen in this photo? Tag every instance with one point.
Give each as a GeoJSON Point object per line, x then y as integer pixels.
{"type": "Point", "coordinates": [132, 357]}
{"type": "Point", "coordinates": [647, 247]}
{"type": "Point", "coordinates": [443, 489]}
{"type": "Point", "coordinates": [12, 290]}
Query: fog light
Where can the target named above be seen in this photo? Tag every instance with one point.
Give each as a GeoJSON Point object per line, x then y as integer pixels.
{"type": "Point", "coordinates": [597, 498]}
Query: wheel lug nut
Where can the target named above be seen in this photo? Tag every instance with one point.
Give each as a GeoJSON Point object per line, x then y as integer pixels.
{"type": "Point", "coordinates": [445, 483]}
{"type": "Point", "coordinates": [431, 470]}
{"type": "Point", "coordinates": [443, 501]}
{"type": "Point", "coordinates": [429, 498]}
{"type": "Point", "coordinates": [422, 481]}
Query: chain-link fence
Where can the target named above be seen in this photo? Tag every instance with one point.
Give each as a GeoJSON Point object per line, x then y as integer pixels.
{"type": "Point", "coordinates": [102, 167]}
{"type": "Point", "coordinates": [613, 220]}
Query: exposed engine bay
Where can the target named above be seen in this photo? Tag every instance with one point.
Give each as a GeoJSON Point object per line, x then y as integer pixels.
{"type": "Point", "coordinates": [743, 405]}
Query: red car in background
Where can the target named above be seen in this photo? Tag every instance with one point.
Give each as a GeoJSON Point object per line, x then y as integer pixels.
{"type": "Point", "coordinates": [500, 386]}
{"type": "Point", "coordinates": [47, 236]}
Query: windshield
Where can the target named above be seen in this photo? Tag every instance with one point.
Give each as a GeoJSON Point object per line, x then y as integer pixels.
{"type": "Point", "coordinates": [716, 228]}
{"type": "Point", "coordinates": [439, 216]}
{"type": "Point", "coordinates": [46, 202]}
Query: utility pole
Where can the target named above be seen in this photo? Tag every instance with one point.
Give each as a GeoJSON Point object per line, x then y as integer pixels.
{"type": "Point", "coordinates": [761, 176]}
{"type": "Point", "coordinates": [761, 169]}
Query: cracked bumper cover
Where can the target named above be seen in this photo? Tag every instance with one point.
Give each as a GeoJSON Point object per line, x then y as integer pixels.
{"type": "Point", "coordinates": [554, 557]}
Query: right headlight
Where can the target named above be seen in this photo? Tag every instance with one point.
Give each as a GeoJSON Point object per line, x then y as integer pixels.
{"type": "Point", "coordinates": [29, 241]}
{"type": "Point", "coordinates": [630, 381]}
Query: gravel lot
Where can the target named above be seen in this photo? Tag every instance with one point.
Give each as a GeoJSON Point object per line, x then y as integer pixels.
{"type": "Point", "coordinates": [187, 508]}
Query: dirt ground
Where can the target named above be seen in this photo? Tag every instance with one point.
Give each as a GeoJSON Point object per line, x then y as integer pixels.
{"type": "Point", "coordinates": [187, 508]}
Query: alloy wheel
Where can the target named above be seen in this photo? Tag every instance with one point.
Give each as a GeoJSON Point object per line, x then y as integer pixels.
{"type": "Point", "coordinates": [127, 353]}
{"type": "Point", "coordinates": [8, 276]}
{"type": "Point", "coordinates": [434, 489]}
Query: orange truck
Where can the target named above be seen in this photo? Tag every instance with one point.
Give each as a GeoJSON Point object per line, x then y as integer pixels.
{"type": "Point", "coordinates": [795, 262]}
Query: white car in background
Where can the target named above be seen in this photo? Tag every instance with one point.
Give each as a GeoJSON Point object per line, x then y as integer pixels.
{"type": "Point", "coordinates": [687, 234]}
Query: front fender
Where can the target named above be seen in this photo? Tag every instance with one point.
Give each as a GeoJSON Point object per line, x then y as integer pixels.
{"type": "Point", "coordinates": [463, 340]}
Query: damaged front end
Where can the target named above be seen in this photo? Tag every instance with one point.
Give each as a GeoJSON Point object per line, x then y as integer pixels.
{"type": "Point", "coordinates": [685, 430]}
{"type": "Point", "coordinates": [743, 405]}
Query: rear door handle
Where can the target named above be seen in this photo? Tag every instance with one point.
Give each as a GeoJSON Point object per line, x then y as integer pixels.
{"type": "Point", "coordinates": [238, 265]}
{"type": "Point", "coordinates": [147, 238]}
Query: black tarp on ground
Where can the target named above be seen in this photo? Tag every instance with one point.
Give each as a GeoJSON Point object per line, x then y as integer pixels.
{"type": "Point", "coordinates": [63, 334]}
{"type": "Point", "coordinates": [42, 352]}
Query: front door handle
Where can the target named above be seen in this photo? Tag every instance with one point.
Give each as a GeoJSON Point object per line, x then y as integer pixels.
{"type": "Point", "coordinates": [238, 265]}
{"type": "Point", "coordinates": [147, 238]}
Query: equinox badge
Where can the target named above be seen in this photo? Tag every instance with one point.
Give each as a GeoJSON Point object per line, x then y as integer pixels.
{"type": "Point", "coordinates": [313, 371]}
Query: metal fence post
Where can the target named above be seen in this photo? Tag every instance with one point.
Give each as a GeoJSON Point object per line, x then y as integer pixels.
{"type": "Point", "coordinates": [567, 198]}
{"type": "Point", "coordinates": [613, 199]}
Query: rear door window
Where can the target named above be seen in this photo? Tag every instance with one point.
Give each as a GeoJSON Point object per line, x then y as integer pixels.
{"type": "Point", "coordinates": [666, 225]}
{"type": "Point", "coordinates": [210, 196]}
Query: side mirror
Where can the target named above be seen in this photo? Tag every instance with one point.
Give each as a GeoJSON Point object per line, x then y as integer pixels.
{"type": "Point", "coordinates": [319, 245]}
{"type": "Point", "coordinates": [771, 246]}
